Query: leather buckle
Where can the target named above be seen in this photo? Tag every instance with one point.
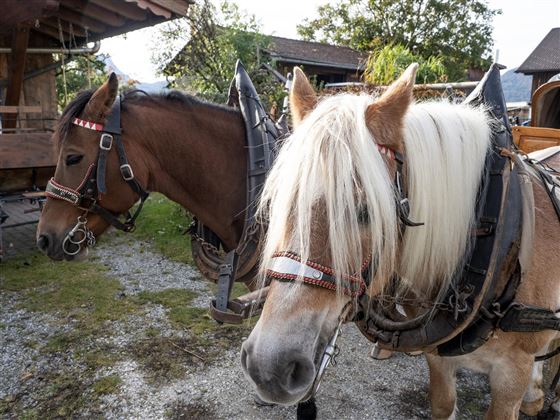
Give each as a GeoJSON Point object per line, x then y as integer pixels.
{"type": "Point", "coordinates": [126, 172]}
{"type": "Point", "coordinates": [106, 142]}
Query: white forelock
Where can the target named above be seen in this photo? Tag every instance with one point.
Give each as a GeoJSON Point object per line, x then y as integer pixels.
{"type": "Point", "coordinates": [331, 161]}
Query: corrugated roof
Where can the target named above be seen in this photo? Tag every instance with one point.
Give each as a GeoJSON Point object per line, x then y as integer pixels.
{"type": "Point", "coordinates": [315, 53]}
{"type": "Point", "coordinates": [546, 57]}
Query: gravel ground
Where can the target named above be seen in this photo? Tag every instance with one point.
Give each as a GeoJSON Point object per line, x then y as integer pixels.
{"type": "Point", "coordinates": [357, 387]}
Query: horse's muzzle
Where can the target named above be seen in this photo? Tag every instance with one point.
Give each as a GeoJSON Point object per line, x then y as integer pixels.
{"type": "Point", "coordinates": [283, 377]}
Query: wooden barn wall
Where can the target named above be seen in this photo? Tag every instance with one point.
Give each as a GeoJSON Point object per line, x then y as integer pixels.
{"type": "Point", "coordinates": [39, 90]}
{"type": "Point", "coordinates": [541, 79]}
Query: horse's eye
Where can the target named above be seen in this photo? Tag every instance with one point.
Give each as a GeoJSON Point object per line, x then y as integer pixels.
{"type": "Point", "coordinates": [73, 159]}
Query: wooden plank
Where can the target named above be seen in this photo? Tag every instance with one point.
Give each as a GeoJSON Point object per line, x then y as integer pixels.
{"type": "Point", "coordinates": [530, 139]}
{"type": "Point", "coordinates": [178, 7]}
{"type": "Point", "coordinates": [15, 180]}
{"type": "Point", "coordinates": [91, 10]}
{"type": "Point", "coordinates": [90, 24]}
{"type": "Point", "coordinates": [128, 10]}
{"type": "Point", "coordinates": [30, 150]}
{"type": "Point", "coordinates": [20, 39]}
{"type": "Point", "coordinates": [22, 109]}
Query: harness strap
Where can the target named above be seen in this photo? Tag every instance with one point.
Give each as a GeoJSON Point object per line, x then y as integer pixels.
{"type": "Point", "coordinates": [288, 267]}
{"type": "Point", "coordinates": [86, 195]}
{"type": "Point", "coordinates": [60, 192]}
{"type": "Point", "coordinates": [105, 144]}
{"type": "Point", "coordinates": [528, 318]}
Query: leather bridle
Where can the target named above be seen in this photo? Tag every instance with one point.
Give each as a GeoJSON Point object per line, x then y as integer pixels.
{"type": "Point", "coordinates": [88, 194]}
{"type": "Point", "coordinates": [288, 267]}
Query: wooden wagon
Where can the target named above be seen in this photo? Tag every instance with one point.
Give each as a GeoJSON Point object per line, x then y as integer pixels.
{"type": "Point", "coordinates": [31, 32]}
{"type": "Point", "coordinates": [544, 130]}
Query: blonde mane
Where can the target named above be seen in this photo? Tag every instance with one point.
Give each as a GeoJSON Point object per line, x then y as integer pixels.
{"type": "Point", "coordinates": [331, 160]}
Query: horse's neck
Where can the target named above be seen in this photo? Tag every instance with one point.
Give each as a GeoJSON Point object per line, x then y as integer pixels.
{"type": "Point", "coordinates": [196, 158]}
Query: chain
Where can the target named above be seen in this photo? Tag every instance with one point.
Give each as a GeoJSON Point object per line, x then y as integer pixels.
{"type": "Point", "coordinates": [207, 246]}
{"type": "Point", "coordinates": [79, 237]}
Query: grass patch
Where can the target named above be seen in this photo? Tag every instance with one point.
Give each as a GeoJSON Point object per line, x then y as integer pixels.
{"type": "Point", "coordinates": [107, 385]}
{"type": "Point", "coordinates": [79, 290]}
{"type": "Point", "coordinates": [164, 223]}
{"type": "Point", "coordinates": [164, 358]}
{"type": "Point", "coordinates": [179, 310]}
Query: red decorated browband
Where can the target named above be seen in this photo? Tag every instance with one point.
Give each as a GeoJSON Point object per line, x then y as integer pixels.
{"type": "Point", "coordinates": [87, 124]}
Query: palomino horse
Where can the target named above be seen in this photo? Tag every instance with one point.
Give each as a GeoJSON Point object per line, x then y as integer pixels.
{"type": "Point", "coordinates": [191, 151]}
{"type": "Point", "coordinates": [330, 200]}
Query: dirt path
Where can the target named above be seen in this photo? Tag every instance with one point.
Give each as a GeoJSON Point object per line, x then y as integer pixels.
{"type": "Point", "coordinates": [142, 364]}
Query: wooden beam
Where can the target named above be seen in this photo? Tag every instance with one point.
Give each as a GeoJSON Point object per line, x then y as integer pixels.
{"type": "Point", "coordinates": [128, 10]}
{"type": "Point", "coordinates": [20, 40]}
{"type": "Point", "coordinates": [20, 109]}
{"type": "Point", "coordinates": [91, 10]}
{"type": "Point", "coordinates": [53, 33]}
{"type": "Point", "coordinates": [29, 150]}
{"type": "Point", "coordinates": [53, 23]}
{"type": "Point", "coordinates": [90, 24]}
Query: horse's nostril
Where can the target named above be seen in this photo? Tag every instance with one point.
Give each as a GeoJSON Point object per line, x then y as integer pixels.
{"type": "Point", "coordinates": [300, 374]}
{"type": "Point", "coordinates": [43, 243]}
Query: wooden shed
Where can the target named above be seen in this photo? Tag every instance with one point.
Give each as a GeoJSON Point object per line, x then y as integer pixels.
{"type": "Point", "coordinates": [31, 32]}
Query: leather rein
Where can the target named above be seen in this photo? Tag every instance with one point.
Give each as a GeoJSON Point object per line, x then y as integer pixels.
{"type": "Point", "coordinates": [89, 192]}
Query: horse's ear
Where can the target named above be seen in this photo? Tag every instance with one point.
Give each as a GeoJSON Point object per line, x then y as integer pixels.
{"type": "Point", "coordinates": [102, 100]}
{"type": "Point", "coordinates": [385, 116]}
{"type": "Point", "coordinates": [302, 96]}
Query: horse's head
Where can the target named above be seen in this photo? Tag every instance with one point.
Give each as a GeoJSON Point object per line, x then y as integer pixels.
{"type": "Point", "coordinates": [331, 204]}
{"type": "Point", "coordinates": [60, 233]}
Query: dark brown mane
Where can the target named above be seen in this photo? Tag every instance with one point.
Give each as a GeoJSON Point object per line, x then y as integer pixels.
{"type": "Point", "coordinates": [172, 97]}
{"type": "Point", "coordinates": [135, 96]}
{"type": "Point", "coordinates": [72, 110]}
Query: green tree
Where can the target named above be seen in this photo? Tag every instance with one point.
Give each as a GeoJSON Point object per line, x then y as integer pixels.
{"type": "Point", "coordinates": [80, 73]}
{"type": "Point", "coordinates": [386, 64]}
{"type": "Point", "coordinates": [458, 31]}
{"type": "Point", "coordinates": [212, 41]}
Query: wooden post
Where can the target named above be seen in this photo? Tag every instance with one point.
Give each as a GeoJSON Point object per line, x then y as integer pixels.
{"type": "Point", "coordinates": [20, 39]}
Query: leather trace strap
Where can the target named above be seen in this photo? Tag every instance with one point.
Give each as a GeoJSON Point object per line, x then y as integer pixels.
{"type": "Point", "coordinates": [87, 195]}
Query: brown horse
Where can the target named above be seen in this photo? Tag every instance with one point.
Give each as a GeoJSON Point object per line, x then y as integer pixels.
{"type": "Point", "coordinates": [330, 199]}
{"type": "Point", "coordinates": [191, 151]}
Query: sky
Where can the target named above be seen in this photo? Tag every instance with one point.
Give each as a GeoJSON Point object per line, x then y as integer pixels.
{"type": "Point", "coordinates": [517, 31]}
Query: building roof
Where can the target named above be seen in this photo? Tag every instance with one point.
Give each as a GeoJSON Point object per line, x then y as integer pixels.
{"type": "Point", "coordinates": [88, 19]}
{"type": "Point", "coordinates": [544, 58]}
{"type": "Point", "coordinates": [315, 53]}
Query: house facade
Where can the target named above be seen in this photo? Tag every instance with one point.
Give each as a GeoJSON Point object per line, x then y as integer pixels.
{"type": "Point", "coordinates": [324, 62]}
